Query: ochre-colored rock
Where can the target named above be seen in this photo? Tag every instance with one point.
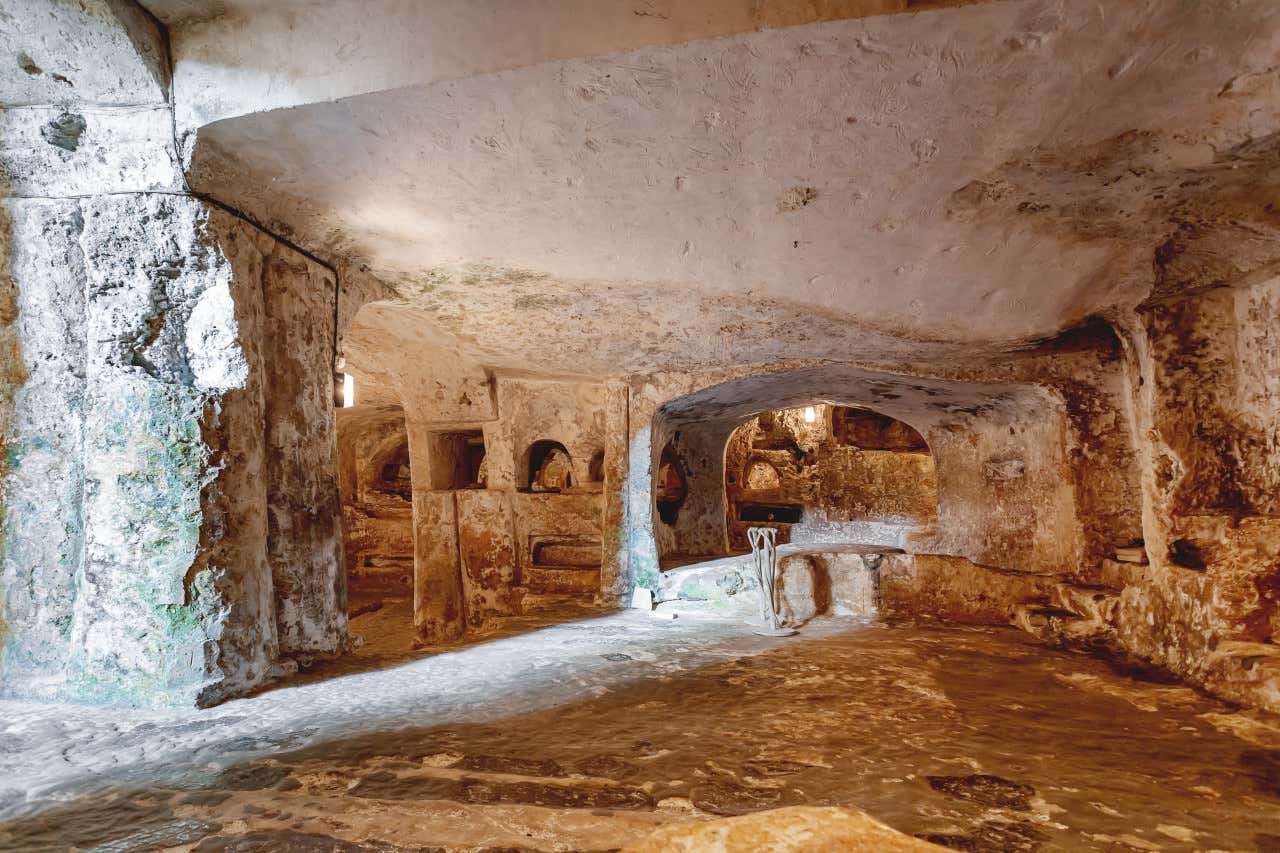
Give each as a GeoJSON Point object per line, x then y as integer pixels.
{"type": "Point", "coordinates": [797, 829]}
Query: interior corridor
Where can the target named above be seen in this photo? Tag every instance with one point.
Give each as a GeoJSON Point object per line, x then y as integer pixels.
{"type": "Point", "coordinates": [652, 426]}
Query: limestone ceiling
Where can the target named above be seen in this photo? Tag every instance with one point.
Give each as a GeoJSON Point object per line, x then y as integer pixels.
{"type": "Point", "coordinates": [892, 188]}
{"type": "Point", "coordinates": [921, 402]}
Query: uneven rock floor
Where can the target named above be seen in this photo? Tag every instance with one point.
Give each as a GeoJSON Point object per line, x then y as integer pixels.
{"type": "Point", "coordinates": [587, 734]}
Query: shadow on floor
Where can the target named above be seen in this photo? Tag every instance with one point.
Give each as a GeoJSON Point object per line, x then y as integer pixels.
{"type": "Point", "coordinates": [384, 626]}
{"type": "Point", "coordinates": [974, 738]}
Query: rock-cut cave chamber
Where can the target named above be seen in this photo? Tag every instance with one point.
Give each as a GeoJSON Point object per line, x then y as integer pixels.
{"type": "Point", "coordinates": [390, 393]}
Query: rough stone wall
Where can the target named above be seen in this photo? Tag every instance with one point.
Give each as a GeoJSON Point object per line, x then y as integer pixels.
{"type": "Point", "coordinates": [1102, 453]}
{"type": "Point", "coordinates": [847, 493]}
{"type": "Point", "coordinates": [1005, 493]}
{"type": "Point", "coordinates": [1205, 398]}
{"type": "Point", "coordinates": [699, 527]}
{"type": "Point", "coordinates": [487, 557]}
{"type": "Point", "coordinates": [437, 581]}
{"type": "Point", "coordinates": [954, 589]}
{"type": "Point", "coordinates": [151, 461]}
{"type": "Point", "coordinates": [43, 446]}
{"type": "Point", "coordinates": [575, 519]}
{"type": "Point", "coordinates": [614, 564]}
{"type": "Point", "coordinates": [475, 548]}
{"type": "Point", "coordinates": [859, 581]}
{"type": "Point", "coordinates": [304, 539]}
{"type": "Point", "coordinates": [571, 413]}
{"type": "Point", "coordinates": [1005, 497]}
{"type": "Point", "coordinates": [140, 374]}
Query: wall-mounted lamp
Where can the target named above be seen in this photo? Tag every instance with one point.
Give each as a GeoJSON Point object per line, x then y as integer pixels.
{"type": "Point", "coordinates": [348, 390]}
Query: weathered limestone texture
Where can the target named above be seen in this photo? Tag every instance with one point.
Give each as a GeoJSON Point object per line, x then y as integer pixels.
{"type": "Point", "coordinates": [1203, 369]}
{"type": "Point", "coordinates": [998, 450]}
{"type": "Point", "coordinates": [487, 556]}
{"type": "Point", "coordinates": [438, 612]}
{"type": "Point", "coordinates": [843, 486]}
{"type": "Point", "coordinates": [795, 829]}
{"type": "Point", "coordinates": [954, 589]}
{"type": "Point", "coordinates": [861, 581]}
{"type": "Point", "coordinates": [614, 571]}
{"type": "Point", "coordinates": [167, 394]}
{"type": "Point", "coordinates": [81, 150]}
{"type": "Point", "coordinates": [305, 533]}
{"type": "Point", "coordinates": [486, 529]}
{"type": "Point", "coordinates": [43, 439]}
{"type": "Point", "coordinates": [144, 429]}
{"type": "Point", "coordinates": [975, 302]}
{"type": "Point", "coordinates": [50, 43]}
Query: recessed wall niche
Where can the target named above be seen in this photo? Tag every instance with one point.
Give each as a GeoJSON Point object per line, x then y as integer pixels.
{"type": "Point", "coordinates": [548, 467]}
{"type": "Point", "coordinates": [672, 485]}
{"type": "Point", "coordinates": [457, 460]}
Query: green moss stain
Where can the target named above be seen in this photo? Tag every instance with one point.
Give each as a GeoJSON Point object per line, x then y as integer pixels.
{"type": "Point", "coordinates": [146, 494]}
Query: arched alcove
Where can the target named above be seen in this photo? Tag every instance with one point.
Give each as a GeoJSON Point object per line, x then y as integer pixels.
{"type": "Point", "coordinates": [548, 466]}
{"type": "Point", "coordinates": [377, 494]}
{"type": "Point", "coordinates": [761, 476]}
{"type": "Point", "coordinates": [390, 470]}
{"type": "Point", "coordinates": [854, 426]}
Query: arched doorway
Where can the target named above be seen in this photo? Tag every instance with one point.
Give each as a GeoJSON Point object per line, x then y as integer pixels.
{"type": "Point", "coordinates": [375, 481]}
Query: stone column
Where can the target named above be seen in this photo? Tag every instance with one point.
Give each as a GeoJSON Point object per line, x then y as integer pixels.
{"type": "Point", "coordinates": [304, 544]}
{"type": "Point", "coordinates": [150, 343]}
{"type": "Point", "coordinates": [644, 401]}
{"type": "Point", "coordinates": [615, 581]}
{"type": "Point", "coordinates": [437, 581]}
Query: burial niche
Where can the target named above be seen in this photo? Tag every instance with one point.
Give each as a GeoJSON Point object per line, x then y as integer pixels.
{"type": "Point", "coordinates": [595, 468]}
{"type": "Point", "coordinates": [672, 485]}
{"type": "Point", "coordinates": [457, 460]}
{"type": "Point", "coordinates": [394, 475]}
{"type": "Point", "coordinates": [549, 466]}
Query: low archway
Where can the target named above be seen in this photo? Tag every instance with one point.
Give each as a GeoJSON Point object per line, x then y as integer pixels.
{"type": "Point", "coordinates": [375, 480]}
{"type": "Point", "coordinates": [996, 470]}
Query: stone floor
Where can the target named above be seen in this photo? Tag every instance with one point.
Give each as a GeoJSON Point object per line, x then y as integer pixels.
{"type": "Point", "coordinates": [587, 731]}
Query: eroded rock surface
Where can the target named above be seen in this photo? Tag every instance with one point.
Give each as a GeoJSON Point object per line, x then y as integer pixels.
{"type": "Point", "coordinates": [539, 738]}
